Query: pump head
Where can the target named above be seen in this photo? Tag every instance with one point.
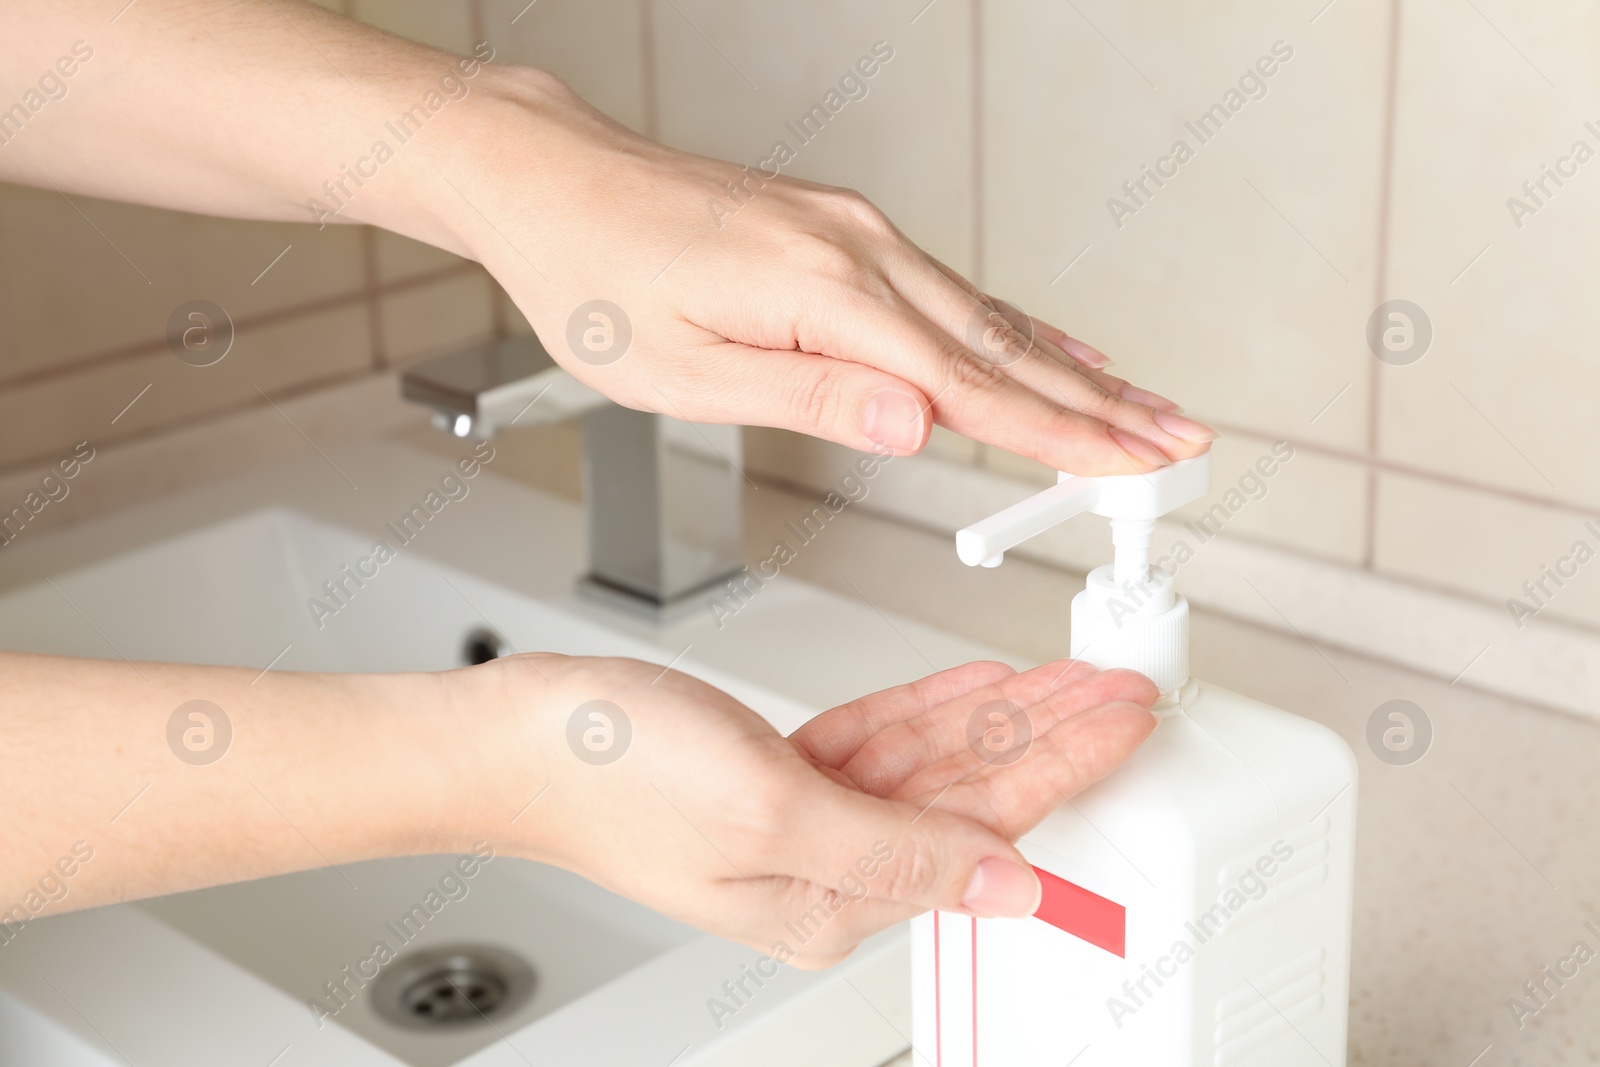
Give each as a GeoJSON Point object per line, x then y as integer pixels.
{"type": "Point", "coordinates": [1128, 614]}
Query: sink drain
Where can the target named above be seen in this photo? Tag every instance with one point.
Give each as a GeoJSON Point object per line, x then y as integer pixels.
{"type": "Point", "coordinates": [452, 986]}
{"type": "Point", "coordinates": [481, 646]}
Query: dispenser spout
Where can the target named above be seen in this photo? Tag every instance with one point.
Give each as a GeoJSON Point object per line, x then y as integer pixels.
{"type": "Point", "coordinates": [984, 544]}
{"type": "Point", "coordinates": [1131, 501]}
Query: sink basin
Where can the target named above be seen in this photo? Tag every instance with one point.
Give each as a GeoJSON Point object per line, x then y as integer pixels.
{"type": "Point", "coordinates": [309, 929]}
{"type": "Point", "coordinates": [266, 972]}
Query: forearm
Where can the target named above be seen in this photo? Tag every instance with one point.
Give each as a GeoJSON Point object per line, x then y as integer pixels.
{"type": "Point", "coordinates": [319, 769]}
{"type": "Point", "coordinates": [271, 110]}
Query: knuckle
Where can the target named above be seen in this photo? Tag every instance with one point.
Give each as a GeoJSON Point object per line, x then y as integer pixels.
{"type": "Point", "coordinates": [1108, 407]}
{"type": "Point", "coordinates": [836, 261]}
{"type": "Point", "coordinates": [1000, 335]}
{"type": "Point", "coordinates": [858, 211]}
{"type": "Point", "coordinates": [816, 399]}
{"type": "Point", "coordinates": [969, 371]}
{"type": "Point", "coordinates": [912, 875]}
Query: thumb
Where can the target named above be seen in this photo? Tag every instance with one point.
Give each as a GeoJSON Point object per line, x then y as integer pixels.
{"type": "Point", "coordinates": [915, 858]}
{"type": "Point", "coordinates": [848, 403]}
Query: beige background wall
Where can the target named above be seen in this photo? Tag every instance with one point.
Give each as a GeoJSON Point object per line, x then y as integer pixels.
{"type": "Point", "coordinates": [1376, 166]}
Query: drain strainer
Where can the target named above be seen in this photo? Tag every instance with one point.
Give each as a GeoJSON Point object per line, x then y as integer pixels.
{"type": "Point", "coordinates": [483, 645]}
{"type": "Point", "coordinates": [452, 986]}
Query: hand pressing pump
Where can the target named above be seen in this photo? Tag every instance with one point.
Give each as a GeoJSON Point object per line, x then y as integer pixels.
{"type": "Point", "coordinates": [1197, 902]}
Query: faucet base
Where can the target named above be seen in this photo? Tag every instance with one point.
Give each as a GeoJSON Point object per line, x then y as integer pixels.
{"type": "Point", "coordinates": [640, 606]}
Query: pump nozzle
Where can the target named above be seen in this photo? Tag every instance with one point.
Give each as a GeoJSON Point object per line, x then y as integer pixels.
{"type": "Point", "coordinates": [1127, 616]}
{"type": "Point", "coordinates": [1131, 501]}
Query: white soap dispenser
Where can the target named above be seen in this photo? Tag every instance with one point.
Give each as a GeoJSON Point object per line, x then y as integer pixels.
{"type": "Point", "coordinates": [1197, 902]}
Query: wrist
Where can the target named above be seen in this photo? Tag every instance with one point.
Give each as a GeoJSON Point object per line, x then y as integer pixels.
{"type": "Point", "coordinates": [494, 727]}
{"type": "Point", "coordinates": [439, 195]}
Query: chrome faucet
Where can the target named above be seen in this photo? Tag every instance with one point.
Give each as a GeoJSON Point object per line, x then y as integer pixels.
{"type": "Point", "coordinates": [663, 497]}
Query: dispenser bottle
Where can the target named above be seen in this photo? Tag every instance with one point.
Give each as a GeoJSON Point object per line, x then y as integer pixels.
{"type": "Point", "coordinates": [1197, 902]}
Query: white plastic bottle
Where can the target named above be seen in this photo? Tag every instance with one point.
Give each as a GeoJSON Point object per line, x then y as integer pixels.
{"type": "Point", "coordinates": [1197, 902]}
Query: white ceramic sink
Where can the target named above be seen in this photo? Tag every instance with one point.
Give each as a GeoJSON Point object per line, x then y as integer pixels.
{"type": "Point", "coordinates": [226, 974]}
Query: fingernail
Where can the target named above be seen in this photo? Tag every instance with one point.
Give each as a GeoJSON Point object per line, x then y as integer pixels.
{"type": "Point", "coordinates": [1147, 398]}
{"type": "Point", "coordinates": [893, 420]}
{"type": "Point", "coordinates": [1186, 428]}
{"type": "Point", "coordinates": [1088, 355]}
{"type": "Point", "coordinates": [1001, 889]}
{"type": "Point", "coordinates": [1138, 447]}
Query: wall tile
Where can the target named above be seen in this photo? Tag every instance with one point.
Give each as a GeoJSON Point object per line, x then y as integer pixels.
{"type": "Point", "coordinates": [733, 74]}
{"type": "Point", "coordinates": [1311, 502]}
{"type": "Point", "coordinates": [1241, 285]}
{"type": "Point", "coordinates": [40, 420]}
{"type": "Point", "coordinates": [516, 322]}
{"type": "Point", "coordinates": [1007, 465]}
{"type": "Point", "coordinates": [441, 23]}
{"type": "Point", "coordinates": [437, 317]}
{"type": "Point", "coordinates": [1509, 392]}
{"type": "Point", "coordinates": [947, 444]}
{"type": "Point", "coordinates": [1485, 545]}
{"type": "Point", "coordinates": [401, 257]}
{"type": "Point", "coordinates": [548, 457]}
{"type": "Point", "coordinates": [66, 290]}
{"type": "Point", "coordinates": [595, 46]}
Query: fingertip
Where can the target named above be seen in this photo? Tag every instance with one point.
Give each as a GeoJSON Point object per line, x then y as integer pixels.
{"type": "Point", "coordinates": [988, 669]}
{"type": "Point", "coordinates": [1001, 887]}
{"type": "Point", "coordinates": [1136, 686]}
{"type": "Point", "coordinates": [1137, 715]}
{"type": "Point", "coordinates": [1143, 455]}
{"type": "Point", "coordinates": [897, 420]}
{"type": "Point", "coordinates": [1187, 429]}
{"type": "Point", "coordinates": [818, 962]}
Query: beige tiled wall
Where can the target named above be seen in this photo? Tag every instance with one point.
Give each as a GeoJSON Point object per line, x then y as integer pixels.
{"type": "Point", "coordinates": [733, 77]}
{"type": "Point", "coordinates": [1498, 428]}
{"type": "Point", "coordinates": [86, 288]}
{"type": "Point", "coordinates": [1376, 166]}
{"type": "Point", "coordinates": [1240, 285]}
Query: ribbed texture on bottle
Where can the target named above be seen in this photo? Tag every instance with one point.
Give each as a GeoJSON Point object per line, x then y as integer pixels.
{"type": "Point", "coordinates": [1157, 647]}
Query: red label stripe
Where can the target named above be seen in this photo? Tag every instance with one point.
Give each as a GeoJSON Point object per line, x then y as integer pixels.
{"type": "Point", "coordinates": [1089, 916]}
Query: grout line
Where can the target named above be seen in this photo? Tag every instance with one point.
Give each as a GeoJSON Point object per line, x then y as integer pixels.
{"type": "Point", "coordinates": [157, 345]}
{"type": "Point", "coordinates": [499, 321]}
{"type": "Point", "coordinates": [803, 491]}
{"type": "Point", "coordinates": [476, 24]}
{"type": "Point", "coordinates": [1369, 545]}
{"type": "Point", "coordinates": [378, 349]}
{"type": "Point", "coordinates": [789, 483]}
{"type": "Point", "coordinates": [649, 71]}
{"type": "Point", "coordinates": [979, 235]}
{"type": "Point", "coordinates": [1377, 464]}
{"type": "Point", "coordinates": [207, 416]}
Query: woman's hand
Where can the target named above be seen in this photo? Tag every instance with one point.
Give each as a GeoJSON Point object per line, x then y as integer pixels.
{"type": "Point", "coordinates": [800, 846]}
{"type": "Point", "coordinates": [648, 781]}
{"type": "Point", "coordinates": [805, 309]}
